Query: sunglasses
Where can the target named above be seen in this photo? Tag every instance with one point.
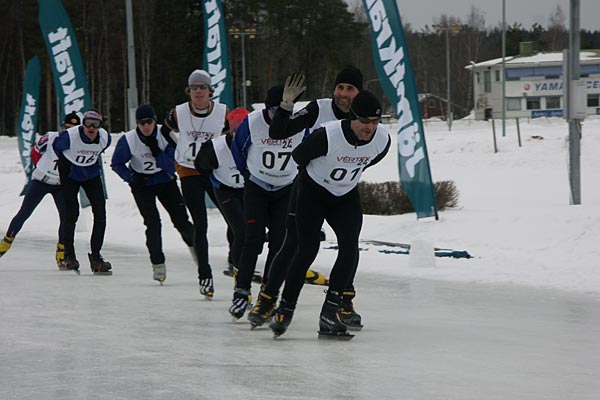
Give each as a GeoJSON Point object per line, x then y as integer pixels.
{"type": "Point", "coordinates": [202, 86]}
{"type": "Point", "coordinates": [92, 123]}
{"type": "Point", "coordinates": [364, 120]}
{"type": "Point", "coordinates": [145, 121]}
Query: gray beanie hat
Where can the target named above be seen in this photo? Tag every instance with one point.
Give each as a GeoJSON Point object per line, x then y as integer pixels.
{"type": "Point", "coordinates": [200, 75]}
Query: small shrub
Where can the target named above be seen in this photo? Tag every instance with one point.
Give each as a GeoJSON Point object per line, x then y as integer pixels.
{"type": "Point", "coordinates": [388, 198]}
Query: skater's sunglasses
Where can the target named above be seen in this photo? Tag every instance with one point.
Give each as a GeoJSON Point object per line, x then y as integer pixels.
{"type": "Point", "coordinates": [202, 86]}
{"type": "Point", "coordinates": [92, 123]}
{"type": "Point", "coordinates": [145, 121]}
{"type": "Point", "coordinates": [366, 120]}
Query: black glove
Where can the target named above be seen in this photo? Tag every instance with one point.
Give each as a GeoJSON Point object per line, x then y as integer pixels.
{"type": "Point", "coordinates": [138, 180]}
{"type": "Point", "coordinates": [64, 169]}
{"type": "Point", "coordinates": [153, 144]}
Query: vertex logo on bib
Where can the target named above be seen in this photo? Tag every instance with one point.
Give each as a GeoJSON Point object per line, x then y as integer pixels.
{"type": "Point", "coordinates": [213, 52]}
{"type": "Point", "coordinates": [410, 143]}
{"type": "Point", "coordinates": [73, 96]}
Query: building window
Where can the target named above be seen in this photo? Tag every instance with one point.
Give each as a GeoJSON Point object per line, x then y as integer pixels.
{"type": "Point", "coordinates": [592, 100]}
{"type": "Point", "coordinates": [487, 82]}
{"type": "Point", "coordinates": [533, 103]}
{"type": "Point", "coordinates": [497, 75]}
{"type": "Point", "coordinates": [552, 102]}
{"type": "Point", "coordinates": [513, 103]}
{"type": "Point", "coordinates": [477, 76]}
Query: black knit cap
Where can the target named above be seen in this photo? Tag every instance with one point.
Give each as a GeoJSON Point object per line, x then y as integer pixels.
{"type": "Point", "coordinates": [145, 111]}
{"type": "Point", "coordinates": [274, 96]}
{"type": "Point", "coordinates": [351, 75]}
{"type": "Point", "coordinates": [72, 119]}
{"type": "Point", "coordinates": [365, 105]}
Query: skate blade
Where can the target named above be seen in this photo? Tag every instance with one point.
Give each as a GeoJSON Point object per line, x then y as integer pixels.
{"type": "Point", "coordinates": [107, 273]}
{"type": "Point", "coordinates": [343, 336]}
{"type": "Point", "coordinates": [255, 324]}
{"type": "Point", "coordinates": [74, 270]}
{"type": "Point", "coordinates": [354, 328]}
{"type": "Point", "coordinates": [160, 280]}
{"type": "Point", "coordinates": [208, 297]}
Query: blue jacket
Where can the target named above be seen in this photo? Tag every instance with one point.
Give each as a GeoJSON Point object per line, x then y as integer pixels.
{"type": "Point", "coordinates": [165, 160]}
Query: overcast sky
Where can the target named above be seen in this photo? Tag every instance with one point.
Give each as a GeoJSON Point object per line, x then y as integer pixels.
{"type": "Point", "coordinates": [425, 12]}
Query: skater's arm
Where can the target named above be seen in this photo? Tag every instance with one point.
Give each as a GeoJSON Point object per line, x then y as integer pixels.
{"type": "Point", "coordinates": [61, 143]}
{"type": "Point", "coordinates": [284, 124]}
{"type": "Point", "coordinates": [170, 128]}
{"type": "Point", "coordinates": [120, 158]}
{"type": "Point", "coordinates": [239, 146]}
{"type": "Point", "coordinates": [312, 147]}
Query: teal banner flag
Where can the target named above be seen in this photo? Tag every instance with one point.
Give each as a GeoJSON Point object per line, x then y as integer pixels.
{"type": "Point", "coordinates": [28, 117]}
{"type": "Point", "coordinates": [216, 56]}
{"type": "Point", "coordinates": [70, 81]}
{"type": "Point", "coordinates": [397, 80]}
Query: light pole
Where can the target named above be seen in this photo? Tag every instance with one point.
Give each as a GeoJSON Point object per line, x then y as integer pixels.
{"type": "Point", "coordinates": [132, 94]}
{"type": "Point", "coordinates": [455, 28]}
{"type": "Point", "coordinates": [503, 68]}
{"type": "Point", "coordinates": [242, 33]}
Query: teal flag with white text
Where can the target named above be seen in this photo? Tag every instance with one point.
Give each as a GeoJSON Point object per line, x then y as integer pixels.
{"type": "Point", "coordinates": [397, 80]}
{"type": "Point", "coordinates": [216, 56]}
{"type": "Point", "coordinates": [28, 117]}
{"type": "Point", "coordinates": [70, 81]}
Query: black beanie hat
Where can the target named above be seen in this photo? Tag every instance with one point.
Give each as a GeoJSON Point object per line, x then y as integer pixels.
{"type": "Point", "coordinates": [72, 119]}
{"type": "Point", "coordinates": [366, 105]}
{"type": "Point", "coordinates": [145, 111]}
{"type": "Point", "coordinates": [351, 75]}
{"type": "Point", "coordinates": [274, 96]}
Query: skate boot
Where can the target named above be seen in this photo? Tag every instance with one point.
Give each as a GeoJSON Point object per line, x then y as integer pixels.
{"type": "Point", "coordinates": [5, 244]}
{"type": "Point", "coordinates": [230, 270]}
{"type": "Point", "coordinates": [71, 264]}
{"type": "Point", "coordinates": [330, 325]}
{"type": "Point", "coordinates": [241, 301]}
{"type": "Point", "coordinates": [348, 315]}
{"type": "Point", "coordinates": [160, 272]}
{"type": "Point", "coordinates": [282, 319]}
{"type": "Point", "coordinates": [263, 310]}
{"type": "Point", "coordinates": [60, 256]}
{"type": "Point", "coordinates": [206, 288]}
{"type": "Point", "coordinates": [98, 265]}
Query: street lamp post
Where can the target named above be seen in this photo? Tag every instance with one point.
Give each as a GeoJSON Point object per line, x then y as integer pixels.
{"type": "Point", "coordinates": [238, 33]}
{"type": "Point", "coordinates": [132, 94]}
{"type": "Point", "coordinates": [447, 28]}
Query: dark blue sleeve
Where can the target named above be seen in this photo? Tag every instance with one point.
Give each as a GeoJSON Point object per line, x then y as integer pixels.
{"type": "Point", "coordinates": [240, 144]}
{"type": "Point", "coordinates": [108, 142]}
{"type": "Point", "coordinates": [166, 159]}
{"type": "Point", "coordinates": [61, 143]}
{"type": "Point", "coordinates": [120, 158]}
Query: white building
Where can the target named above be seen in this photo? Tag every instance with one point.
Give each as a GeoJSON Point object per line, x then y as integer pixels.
{"type": "Point", "coordinates": [534, 85]}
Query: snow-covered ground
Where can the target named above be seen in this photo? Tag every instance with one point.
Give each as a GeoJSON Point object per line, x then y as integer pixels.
{"type": "Point", "coordinates": [514, 213]}
{"type": "Point", "coordinates": [519, 320]}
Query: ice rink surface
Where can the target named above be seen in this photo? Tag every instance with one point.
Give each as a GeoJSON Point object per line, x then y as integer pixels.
{"type": "Point", "coordinates": [64, 336]}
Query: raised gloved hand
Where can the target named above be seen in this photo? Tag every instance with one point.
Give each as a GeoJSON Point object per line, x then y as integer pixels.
{"type": "Point", "coordinates": [138, 180]}
{"type": "Point", "coordinates": [294, 87]}
{"type": "Point", "coordinates": [152, 143]}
